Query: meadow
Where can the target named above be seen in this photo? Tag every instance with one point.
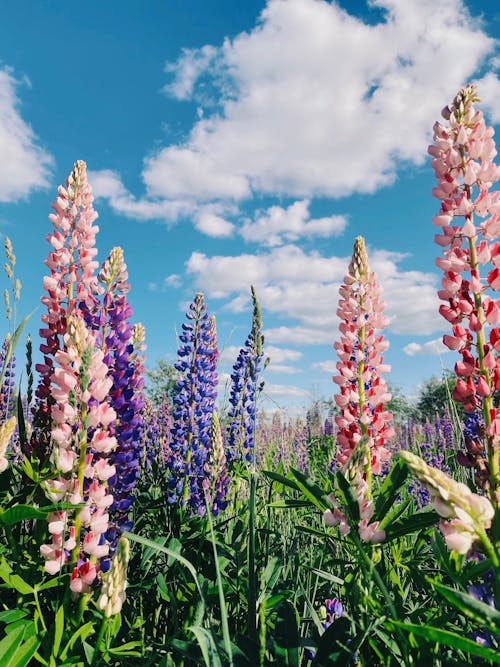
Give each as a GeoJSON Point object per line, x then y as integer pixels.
{"type": "Point", "coordinates": [162, 528]}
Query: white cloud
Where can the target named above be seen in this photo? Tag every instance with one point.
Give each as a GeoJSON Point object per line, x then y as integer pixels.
{"type": "Point", "coordinates": [488, 88]}
{"type": "Point", "coordinates": [24, 166]}
{"type": "Point", "coordinates": [282, 368]}
{"type": "Point", "coordinates": [187, 70]}
{"type": "Point", "coordinates": [432, 347]}
{"type": "Point", "coordinates": [304, 286]}
{"type": "Point", "coordinates": [285, 128]}
{"type": "Point", "coordinates": [213, 225]}
{"type": "Point", "coordinates": [279, 116]}
{"type": "Point", "coordinates": [328, 366]}
{"type": "Point", "coordinates": [278, 225]}
{"type": "Point", "coordinates": [173, 280]}
{"type": "Point", "coordinates": [285, 391]}
{"type": "Point", "coordinates": [279, 354]}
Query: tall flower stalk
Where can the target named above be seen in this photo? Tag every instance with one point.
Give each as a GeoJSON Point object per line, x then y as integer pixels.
{"type": "Point", "coordinates": [469, 220]}
{"type": "Point", "coordinates": [194, 402]}
{"type": "Point", "coordinates": [73, 421]}
{"type": "Point", "coordinates": [363, 392]}
{"type": "Point", "coordinates": [245, 388]}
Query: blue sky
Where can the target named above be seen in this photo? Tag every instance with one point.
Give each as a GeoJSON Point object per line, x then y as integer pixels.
{"type": "Point", "coordinates": [244, 143]}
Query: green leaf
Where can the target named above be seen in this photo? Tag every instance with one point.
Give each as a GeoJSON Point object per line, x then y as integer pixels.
{"type": "Point", "coordinates": [58, 630]}
{"type": "Point", "coordinates": [19, 646]}
{"type": "Point", "coordinates": [207, 646]}
{"type": "Point", "coordinates": [448, 638]}
{"type": "Point", "coordinates": [21, 513]}
{"type": "Point", "coordinates": [348, 498]}
{"type": "Point", "coordinates": [289, 503]}
{"type": "Point", "coordinates": [286, 635]}
{"type": "Point", "coordinates": [388, 493]}
{"type": "Point", "coordinates": [83, 632]}
{"type": "Point", "coordinates": [11, 615]}
{"type": "Point", "coordinates": [411, 524]}
{"type": "Point", "coordinates": [286, 481]}
{"type": "Point", "coordinates": [16, 582]}
{"type": "Point", "coordinates": [130, 648]}
{"type": "Point", "coordinates": [312, 491]}
{"type": "Point", "coordinates": [325, 575]}
{"type": "Point", "coordinates": [332, 645]}
{"type": "Point", "coordinates": [469, 605]}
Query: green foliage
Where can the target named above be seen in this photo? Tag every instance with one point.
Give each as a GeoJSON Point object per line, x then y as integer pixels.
{"type": "Point", "coordinates": [160, 381]}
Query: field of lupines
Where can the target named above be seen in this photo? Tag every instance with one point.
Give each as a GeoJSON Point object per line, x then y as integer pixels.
{"type": "Point", "coordinates": [179, 532]}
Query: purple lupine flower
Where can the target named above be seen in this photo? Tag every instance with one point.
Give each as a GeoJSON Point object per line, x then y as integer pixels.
{"type": "Point", "coordinates": [244, 390]}
{"type": "Point", "coordinates": [7, 390]}
{"type": "Point", "coordinates": [300, 447]}
{"type": "Point", "coordinates": [447, 430]}
{"type": "Point", "coordinates": [123, 346]}
{"type": "Point", "coordinates": [157, 433]}
{"type": "Point", "coordinates": [333, 609]}
{"type": "Point", "coordinates": [194, 401]}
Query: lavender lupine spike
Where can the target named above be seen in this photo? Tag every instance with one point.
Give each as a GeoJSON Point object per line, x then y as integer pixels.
{"type": "Point", "coordinates": [245, 388]}
{"type": "Point", "coordinates": [363, 391]}
{"type": "Point", "coordinates": [300, 447]}
{"type": "Point", "coordinates": [194, 401]}
{"type": "Point", "coordinates": [123, 346]}
{"type": "Point", "coordinates": [7, 390]}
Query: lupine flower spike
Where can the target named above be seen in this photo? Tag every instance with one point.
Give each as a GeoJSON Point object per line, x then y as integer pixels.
{"type": "Point", "coordinates": [466, 515]}
{"type": "Point", "coordinates": [194, 400]}
{"type": "Point", "coordinates": [463, 153]}
{"type": "Point", "coordinates": [363, 392]}
{"type": "Point", "coordinates": [245, 388]}
{"type": "Point", "coordinates": [115, 581]}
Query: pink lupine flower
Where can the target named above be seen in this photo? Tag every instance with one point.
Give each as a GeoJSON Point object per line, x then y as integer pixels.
{"type": "Point", "coordinates": [363, 392]}
{"type": "Point", "coordinates": [469, 217]}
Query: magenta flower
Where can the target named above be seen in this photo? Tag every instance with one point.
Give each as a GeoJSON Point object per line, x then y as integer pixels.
{"type": "Point", "coordinates": [469, 221]}
{"type": "Point", "coordinates": [363, 392]}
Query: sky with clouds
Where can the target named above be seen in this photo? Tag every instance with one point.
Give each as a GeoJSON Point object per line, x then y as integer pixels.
{"type": "Point", "coordinates": [237, 144]}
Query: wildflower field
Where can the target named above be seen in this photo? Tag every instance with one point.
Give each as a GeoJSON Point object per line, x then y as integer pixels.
{"type": "Point", "coordinates": [181, 532]}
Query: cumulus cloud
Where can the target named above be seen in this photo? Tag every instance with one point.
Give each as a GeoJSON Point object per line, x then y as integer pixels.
{"type": "Point", "coordinates": [278, 225]}
{"type": "Point", "coordinates": [285, 391]}
{"type": "Point", "coordinates": [431, 347]}
{"type": "Point", "coordinates": [304, 286]}
{"type": "Point", "coordinates": [328, 366]}
{"type": "Point", "coordinates": [213, 225]}
{"type": "Point", "coordinates": [285, 128]}
{"type": "Point", "coordinates": [278, 116]}
{"type": "Point", "coordinates": [24, 166]}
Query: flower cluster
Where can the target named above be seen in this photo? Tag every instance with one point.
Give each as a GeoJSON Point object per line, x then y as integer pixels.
{"type": "Point", "coordinates": [331, 610]}
{"type": "Point", "coordinates": [216, 482]}
{"type": "Point", "coordinates": [463, 153]}
{"type": "Point", "coordinates": [114, 582]}
{"type": "Point", "coordinates": [194, 401]}
{"type": "Point", "coordinates": [467, 515]}
{"type": "Point", "coordinates": [362, 390]}
{"type": "Point", "coordinates": [7, 429]}
{"type": "Point", "coordinates": [245, 388]}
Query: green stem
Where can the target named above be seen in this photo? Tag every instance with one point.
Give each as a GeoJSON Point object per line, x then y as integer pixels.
{"type": "Point", "coordinates": [252, 574]}
{"type": "Point", "coordinates": [97, 648]}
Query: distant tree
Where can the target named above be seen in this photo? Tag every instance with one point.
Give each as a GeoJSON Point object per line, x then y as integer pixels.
{"type": "Point", "coordinates": [160, 381]}
{"type": "Point", "coordinates": [435, 396]}
{"type": "Point", "coordinates": [399, 405]}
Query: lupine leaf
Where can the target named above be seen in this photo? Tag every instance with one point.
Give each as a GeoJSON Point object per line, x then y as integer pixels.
{"type": "Point", "coordinates": [349, 499]}
{"type": "Point", "coordinates": [448, 638]}
{"type": "Point", "coordinates": [389, 490]}
{"type": "Point", "coordinates": [286, 636]}
{"type": "Point", "coordinates": [411, 524]}
{"type": "Point", "coordinates": [469, 605]}
{"type": "Point", "coordinates": [312, 491]}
